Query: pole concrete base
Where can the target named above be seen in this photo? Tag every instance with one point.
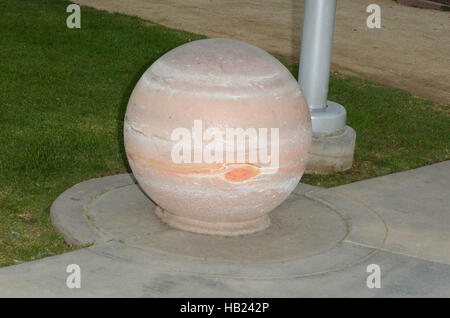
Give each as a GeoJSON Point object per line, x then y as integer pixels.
{"type": "Point", "coordinates": [332, 152]}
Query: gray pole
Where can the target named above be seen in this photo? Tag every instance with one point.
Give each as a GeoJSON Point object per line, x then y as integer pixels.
{"type": "Point", "coordinates": [315, 61]}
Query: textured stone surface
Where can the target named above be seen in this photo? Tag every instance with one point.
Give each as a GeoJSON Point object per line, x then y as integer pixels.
{"type": "Point", "coordinates": [224, 84]}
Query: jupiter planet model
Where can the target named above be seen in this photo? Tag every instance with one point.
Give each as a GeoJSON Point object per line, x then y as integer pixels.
{"type": "Point", "coordinates": [217, 133]}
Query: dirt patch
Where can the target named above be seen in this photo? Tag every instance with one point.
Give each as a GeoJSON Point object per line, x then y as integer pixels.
{"type": "Point", "coordinates": [410, 51]}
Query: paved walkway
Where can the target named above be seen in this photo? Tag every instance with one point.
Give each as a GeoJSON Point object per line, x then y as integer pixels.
{"type": "Point", "coordinates": [411, 215]}
{"type": "Point", "coordinates": [409, 52]}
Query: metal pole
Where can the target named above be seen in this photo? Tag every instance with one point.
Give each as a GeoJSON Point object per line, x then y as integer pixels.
{"type": "Point", "coordinates": [315, 61]}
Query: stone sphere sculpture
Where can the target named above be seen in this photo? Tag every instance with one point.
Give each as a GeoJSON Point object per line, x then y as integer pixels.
{"type": "Point", "coordinates": [217, 133]}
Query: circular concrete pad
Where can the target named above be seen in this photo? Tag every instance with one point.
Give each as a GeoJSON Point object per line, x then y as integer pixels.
{"type": "Point", "coordinates": [299, 228]}
{"type": "Point", "coordinates": [306, 236]}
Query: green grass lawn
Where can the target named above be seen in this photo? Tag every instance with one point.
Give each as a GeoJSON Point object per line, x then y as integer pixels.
{"type": "Point", "coordinates": [63, 94]}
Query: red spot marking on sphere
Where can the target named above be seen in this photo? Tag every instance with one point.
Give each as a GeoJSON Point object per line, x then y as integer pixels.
{"type": "Point", "coordinates": [241, 174]}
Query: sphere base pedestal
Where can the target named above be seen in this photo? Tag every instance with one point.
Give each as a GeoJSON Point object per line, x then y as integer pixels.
{"type": "Point", "coordinates": [213, 228]}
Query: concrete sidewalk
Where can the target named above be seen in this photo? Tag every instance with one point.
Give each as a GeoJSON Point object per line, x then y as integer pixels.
{"type": "Point", "coordinates": [412, 209]}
